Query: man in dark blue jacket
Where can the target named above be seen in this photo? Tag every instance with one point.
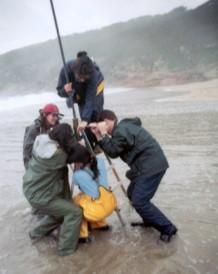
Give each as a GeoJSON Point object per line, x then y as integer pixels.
{"type": "Point", "coordinates": [86, 85]}
{"type": "Point", "coordinates": [128, 140]}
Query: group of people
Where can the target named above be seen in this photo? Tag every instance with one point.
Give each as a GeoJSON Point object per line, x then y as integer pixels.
{"type": "Point", "coordinates": [51, 147]}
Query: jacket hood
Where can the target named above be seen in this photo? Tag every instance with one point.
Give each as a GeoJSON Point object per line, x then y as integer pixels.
{"type": "Point", "coordinates": [44, 147]}
{"type": "Point", "coordinates": [135, 121]}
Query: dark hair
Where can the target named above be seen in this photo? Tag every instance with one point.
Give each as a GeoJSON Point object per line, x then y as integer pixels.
{"type": "Point", "coordinates": [81, 53]}
{"type": "Point", "coordinates": [80, 154]}
{"type": "Point", "coordinates": [44, 123]}
{"type": "Point", "coordinates": [83, 66]}
{"type": "Point", "coordinates": [107, 114]}
{"type": "Point", "coordinates": [63, 134]}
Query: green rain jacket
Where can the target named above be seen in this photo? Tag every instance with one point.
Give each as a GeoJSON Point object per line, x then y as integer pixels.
{"type": "Point", "coordinates": [47, 174]}
{"type": "Point", "coordinates": [136, 147]}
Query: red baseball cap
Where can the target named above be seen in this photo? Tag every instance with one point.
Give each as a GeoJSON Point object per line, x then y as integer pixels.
{"type": "Point", "coordinates": [51, 108]}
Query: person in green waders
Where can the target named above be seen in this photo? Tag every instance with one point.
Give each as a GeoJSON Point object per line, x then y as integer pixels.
{"type": "Point", "coordinates": [46, 187]}
{"type": "Point", "coordinates": [49, 116]}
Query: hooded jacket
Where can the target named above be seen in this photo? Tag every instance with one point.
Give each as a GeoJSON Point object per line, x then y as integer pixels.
{"type": "Point", "coordinates": [46, 175]}
{"type": "Point", "coordinates": [136, 147]}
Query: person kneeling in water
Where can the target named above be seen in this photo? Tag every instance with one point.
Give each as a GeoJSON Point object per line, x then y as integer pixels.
{"type": "Point", "coordinates": [96, 199]}
{"type": "Point", "coordinates": [46, 188]}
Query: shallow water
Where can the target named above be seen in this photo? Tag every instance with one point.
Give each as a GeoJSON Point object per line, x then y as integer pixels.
{"type": "Point", "coordinates": [188, 132]}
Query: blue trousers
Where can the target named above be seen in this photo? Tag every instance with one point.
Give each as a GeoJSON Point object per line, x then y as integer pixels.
{"type": "Point", "coordinates": [140, 191]}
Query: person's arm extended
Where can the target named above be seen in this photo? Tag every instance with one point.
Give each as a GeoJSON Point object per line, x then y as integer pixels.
{"type": "Point", "coordinates": [61, 82]}
{"type": "Point", "coordinates": [63, 88]}
{"type": "Point", "coordinates": [113, 146]}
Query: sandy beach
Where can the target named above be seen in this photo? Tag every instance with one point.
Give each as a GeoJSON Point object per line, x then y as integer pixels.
{"type": "Point", "coordinates": [198, 91]}
{"type": "Point", "coordinates": [184, 119]}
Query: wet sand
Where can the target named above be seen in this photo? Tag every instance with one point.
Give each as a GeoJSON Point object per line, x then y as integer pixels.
{"type": "Point", "coordinates": [187, 130]}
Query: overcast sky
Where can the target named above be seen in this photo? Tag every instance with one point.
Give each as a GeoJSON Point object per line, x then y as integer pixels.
{"type": "Point", "coordinates": [24, 22]}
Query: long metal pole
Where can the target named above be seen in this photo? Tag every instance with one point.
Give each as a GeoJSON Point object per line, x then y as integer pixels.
{"type": "Point", "coordinates": [62, 54]}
